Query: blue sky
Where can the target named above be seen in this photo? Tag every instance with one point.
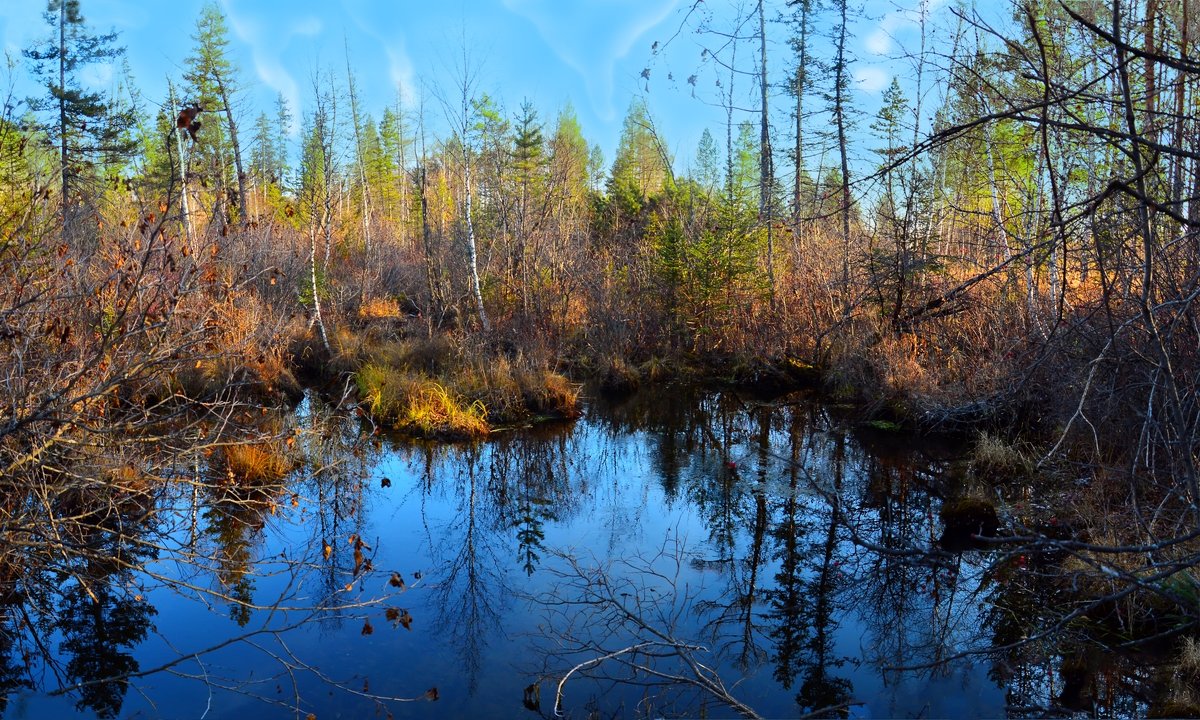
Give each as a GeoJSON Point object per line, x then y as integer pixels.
{"type": "Point", "coordinates": [587, 52]}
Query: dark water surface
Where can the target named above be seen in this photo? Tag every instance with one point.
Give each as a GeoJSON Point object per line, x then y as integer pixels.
{"type": "Point", "coordinates": [687, 537]}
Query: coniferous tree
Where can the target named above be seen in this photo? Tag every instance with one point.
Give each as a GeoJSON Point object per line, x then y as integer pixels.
{"type": "Point", "coordinates": [87, 128]}
{"type": "Point", "coordinates": [213, 85]}
{"type": "Point", "coordinates": [529, 168]}
{"type": "Point", "coordinates": [708, 162]}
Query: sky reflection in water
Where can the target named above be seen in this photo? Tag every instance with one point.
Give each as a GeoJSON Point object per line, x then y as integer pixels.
{"type": "Point", "coordinates": [711, 511]}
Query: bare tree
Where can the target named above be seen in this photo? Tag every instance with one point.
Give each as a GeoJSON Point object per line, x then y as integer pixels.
{"type": "Point", "coordinates": [461, 111]}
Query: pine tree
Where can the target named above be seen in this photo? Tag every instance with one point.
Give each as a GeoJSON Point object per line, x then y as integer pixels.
{"type": "Point", "coordinates": [213, 82]}
{"type": "Point", "coordinates": [708, 162]}
{"type": "Point", "coordinates": [529, 168]}
{"type": "Point", "coordinates": [87, 128]}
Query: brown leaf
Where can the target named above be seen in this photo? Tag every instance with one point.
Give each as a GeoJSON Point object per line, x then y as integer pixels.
{"type": "Point", "coordinates": [367, 629]}
{"type": "Point", "coordinates": [326, 549]}
{"type": "Point", "coordinates": [392, 614]}
{"type": "Point", "coordinates": [406, 621]}
{"type": "Point", "coordinates": [396, 581]}
{"type": "Point", "coordinates": [431, 694]}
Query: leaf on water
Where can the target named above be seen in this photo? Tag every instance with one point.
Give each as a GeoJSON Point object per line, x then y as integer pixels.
{"type": "Point", "coordinates": [417, 575]}
{"type": "Point", "coordinates": [431, 694]}
{"type": "Point", "coordinates": [367, 629]}
{"type": "Point", "coordinates": [326, 549]}
{"type": "Point", "coordinates": [385, 482]}
{"type": "Point", "coordinates": [310, 716]}
{"type": "Point", "coordinates": [397, 581]}
{"type": "Point", "coordinates": [533, 698]}
{"type": "Point", "coordinates": [392, 614]}
{"type": "Point", "coordinates": [406, 621]}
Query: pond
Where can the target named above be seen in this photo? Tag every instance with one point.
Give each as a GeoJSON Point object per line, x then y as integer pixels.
{"type": "Point", "coordinates": [677, 553]}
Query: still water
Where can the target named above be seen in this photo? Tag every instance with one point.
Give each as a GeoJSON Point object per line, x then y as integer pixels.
{"type": "Point", "coordinates": [678, 553]}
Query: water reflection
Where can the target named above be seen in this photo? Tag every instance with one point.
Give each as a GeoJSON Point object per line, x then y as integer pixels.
{"type": "Point", "coordinates": [101, 616]}
{"type": "Point", "coordinates": [683, 552]}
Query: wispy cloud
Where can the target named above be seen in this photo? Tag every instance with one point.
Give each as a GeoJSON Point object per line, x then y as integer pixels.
{"type": "Point", "coordinates": [881, 40]}
{"type": "Point", "coordinates": [871, 79]}
{"type": "Point", "coordinates": [267, 42]}
{"type": "Point", "coordinates": [21, 25]}
{"type": "Point", "coordinates": [590, 38]}
{"type": "Point", "coordinates": [391, 39]}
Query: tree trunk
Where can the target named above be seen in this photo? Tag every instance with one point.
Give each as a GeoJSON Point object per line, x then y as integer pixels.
{"type": "Point", "coordinates": [766, 173]}
{"type": "Point", "coordinates": [472, 254]}
{"type": "Point", "coordinates": [801, 86]}
{"type": "Point", "coordinates": [840, 119]}
{"type": "Point", "coordinates": [435, 300]}
{"type": "Point", "coordinates": [237, 151]}
{"type": "Point", "coordinates": [183, 170]}
{"type": "Point", "coordinates": [62, 116]}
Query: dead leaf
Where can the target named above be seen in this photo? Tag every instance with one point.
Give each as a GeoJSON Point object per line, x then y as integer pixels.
{"type": "Point", "coordinates": [367, 629]}
{"type": "Point", "coordinates": [431, 694]}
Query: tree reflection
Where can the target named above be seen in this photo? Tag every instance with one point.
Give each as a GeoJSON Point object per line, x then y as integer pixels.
{"type": "Point", "coordinates": [821, 692]}
{"type": "Point", "coordinates": [788, 616]}
{"type": "Point", "coordinates": [100, 626]}
{"type": "Point", "coordinates": [100, 616]}
{"type": "Point", "coordinates": [529, 478]}
{"type": "Point", "coordinates": [234, 524]}
{"type": "Point", "coordinates": [470, 586]}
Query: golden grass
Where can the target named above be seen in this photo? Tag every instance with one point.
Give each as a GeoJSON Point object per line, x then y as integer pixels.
{"type": "Point", "coordinates": [379, 308]}
{"type": "Point", "coordinates": [433, 412]}
{"type": "Point", "coordinates": [513, 392]}
{"type": "Point", "coordinates": [419, 406]}
{"type": "Point", "coordinates": [255, 463]}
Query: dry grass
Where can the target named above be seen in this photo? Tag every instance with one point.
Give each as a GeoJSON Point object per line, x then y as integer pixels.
{"type": "Point", "coordinates": [257, 463]}
{"type": "Point", "coordinates": [419, 406]}
{"type": "Point", "coordinates": [994, 457]}
{"type": "Point", "coordinates": [379, 308]}
{"type": "Point", "coordinates": [513, 392]}
{"type": "Point", "coordinates": [550, 394]}
{"type": "Point", "coordinates": [616, 375]}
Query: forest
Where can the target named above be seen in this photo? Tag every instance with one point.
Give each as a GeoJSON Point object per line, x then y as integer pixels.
{"type": "Point", "coordinates": [1006, 253]}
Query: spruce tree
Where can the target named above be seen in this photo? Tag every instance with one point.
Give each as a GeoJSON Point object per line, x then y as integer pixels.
{"type": "Point", "coordinates": [87, 128]}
